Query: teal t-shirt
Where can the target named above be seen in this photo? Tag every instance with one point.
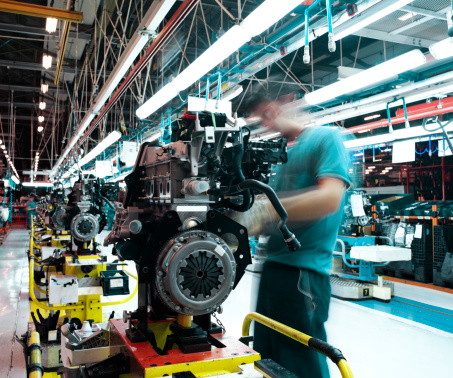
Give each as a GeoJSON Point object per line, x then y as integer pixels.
{"type": "Point", "coordinates": [318, 152]}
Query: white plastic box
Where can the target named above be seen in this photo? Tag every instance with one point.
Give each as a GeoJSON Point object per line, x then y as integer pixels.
{"type": "Point", "coordinates": [381, 253]}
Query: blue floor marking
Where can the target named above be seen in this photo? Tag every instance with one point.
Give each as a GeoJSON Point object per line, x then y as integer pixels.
{"type": "Point", "coordinates": [433, 316]}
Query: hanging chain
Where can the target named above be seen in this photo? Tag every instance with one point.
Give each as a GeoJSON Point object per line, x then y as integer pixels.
{"type": "Point", "coordinates": [219, 323]}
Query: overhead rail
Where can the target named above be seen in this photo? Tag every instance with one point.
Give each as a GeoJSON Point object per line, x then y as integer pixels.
{"type": "Point", "coordinates": [133, 49]}
{"type": "Point", "coordinates": [42, 11]}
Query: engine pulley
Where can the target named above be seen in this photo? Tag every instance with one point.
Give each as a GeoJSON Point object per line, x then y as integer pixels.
{"type": "Point", "coordinates": [195, 272]}
{"type": "Point", "coordinates": [84, 227]}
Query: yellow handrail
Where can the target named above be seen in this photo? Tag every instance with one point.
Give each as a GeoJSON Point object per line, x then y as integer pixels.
{"type": "Point", "coordinates": [124, 300]}
{"type": "Point", "coordinates": [326, 349]}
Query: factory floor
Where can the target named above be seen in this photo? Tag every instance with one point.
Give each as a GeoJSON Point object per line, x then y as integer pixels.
{"type": "Point", "coordinates": [376, 342]}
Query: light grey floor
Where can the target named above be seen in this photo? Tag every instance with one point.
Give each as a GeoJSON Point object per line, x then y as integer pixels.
{"type": "Point", "coordinates": [376, 344]}
{"type": "Point", "coordinates": [14, 306]}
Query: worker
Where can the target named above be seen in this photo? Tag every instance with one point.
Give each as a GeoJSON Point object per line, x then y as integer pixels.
{"type": "Point", "coordinates": [295, 286]}
{"type": "Point", "coordinates": [31, 209]}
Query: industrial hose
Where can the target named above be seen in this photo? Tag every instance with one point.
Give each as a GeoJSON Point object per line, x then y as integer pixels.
{"type": "Point", "coordinates": [292, 243]}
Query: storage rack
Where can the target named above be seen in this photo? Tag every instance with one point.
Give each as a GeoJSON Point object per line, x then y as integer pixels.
{"type": "Point", "coordinates": [435, 221]}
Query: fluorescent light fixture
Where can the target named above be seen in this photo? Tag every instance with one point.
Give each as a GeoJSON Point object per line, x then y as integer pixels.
{"type": "Point", "coordinates": [397, 135]}
{"type": "Point", "coordinates": [442, 49]}
{"type": "Point", "coordinates": [152, 137]}
{"type": "Point", "coordinates": [232, 93]}
{"type": "Point", "coordinates": [157, 101]}
{"type": "Point", "coordinates": [113, 137]}
{"type": "Point", "coordinates": [47, 61]}
{"type": "Point", "coordinates": [51, 25]}
{"type": "Point", "coordinates": [150, 24]}
{"type": "Point", "coordinates": [388, 168]}
{"type": "Point", "coordinates": [374, 116]}
{"type": "Point", "coordinates": [373, 167]}
{"type": "Point", "coordinates": [41, 118]}
{"type": "Point", "coordinates": [38, 184]}
{"type": "Point", "coordinates": [40, 128]}
{"type": "Point", "coordinates": [15, 179]}
{"type": "Point", "coordinates": [363, 131]}
{"type": "Point", "coordinates": [42, 105]}
{"type": "Point", "coordinates": [267, 14]}
{"type": "Point", "coordinates": [218, 52]}
{"type": "Point", "coordinates": [369, 16]}
{"type": "Point", "coordinates": [356, 162]}
{"type": "Point", "coordinates": [44, 88]}
{"type": "Point", "coordinates": [367, 77]}
{"type": "Point", "coordinates": [406, 16]}
{"type": "Point", "coordinates": [3, 148]}
{"type": "Point", "coordinates": [359, 154]}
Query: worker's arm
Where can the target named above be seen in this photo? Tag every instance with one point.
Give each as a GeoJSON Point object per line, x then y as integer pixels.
{"type": "Point", "coordinates": [322, 201]}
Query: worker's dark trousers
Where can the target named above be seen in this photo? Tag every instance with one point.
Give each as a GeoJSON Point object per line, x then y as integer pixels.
{"type": "Point", "coordinates": [300, 299]}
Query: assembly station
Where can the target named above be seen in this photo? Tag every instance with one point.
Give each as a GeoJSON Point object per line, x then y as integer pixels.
{"type": "Point", "coordinates": [226, 188]}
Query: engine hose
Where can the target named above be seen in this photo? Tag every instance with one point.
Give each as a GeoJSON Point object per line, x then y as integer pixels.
{"type": "Point", "coordinates": [108, 202]}
{"type": "Point", "coordinates": [292, 243]}
{"type": "Point", "coordinates": [237, 167]}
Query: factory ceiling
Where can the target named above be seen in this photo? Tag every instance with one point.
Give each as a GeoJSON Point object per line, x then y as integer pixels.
{"type": "Point", "coordinates": [271, 63]}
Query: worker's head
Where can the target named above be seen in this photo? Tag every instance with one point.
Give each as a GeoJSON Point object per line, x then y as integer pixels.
{"type": "Point", "coordinates": [263, 108]}
{"type": "Point", "coordinates": [271, 115]}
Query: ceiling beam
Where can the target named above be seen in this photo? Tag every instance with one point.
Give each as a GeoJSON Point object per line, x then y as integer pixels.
{"type": "Point", "coordinates": [23, 88]}
{"type": "Point", "coordinates": [401, 39]}
{"type": "Point", "coordinates": [29, 104]}
{"type": "Point", "coordinates": [421, 21]}
{"type": "Point", "coordinates": [29, 66]}
{"type": "Point", "coordinates": [19, 118]}
{"type": "Point", "coordinates": [29, 30]}
{"type": "Point", "coordinates": [423, 12]}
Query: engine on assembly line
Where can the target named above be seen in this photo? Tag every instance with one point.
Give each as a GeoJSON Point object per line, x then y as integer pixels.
{"type": "Point", "coordinates": [83, 215]}
{"type": "Point", "coordinates": [173, 223]}
{"type": "Point", "coordinates": [51, 208]}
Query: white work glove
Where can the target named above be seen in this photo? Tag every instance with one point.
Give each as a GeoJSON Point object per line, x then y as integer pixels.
{"type": "Point", "coordinates": [258, 217]}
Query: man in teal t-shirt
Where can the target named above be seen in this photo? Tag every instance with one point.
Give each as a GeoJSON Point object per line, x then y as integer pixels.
{"type": "Point", "coordinates": [295, 286]}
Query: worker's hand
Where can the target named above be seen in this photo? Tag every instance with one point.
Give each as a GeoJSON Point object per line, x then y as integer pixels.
{"type": "Point", "coordinates": [258, 217]}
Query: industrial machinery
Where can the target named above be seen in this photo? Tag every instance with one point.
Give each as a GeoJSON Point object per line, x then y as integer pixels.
{"type": "Point", "coordinates": [83, 215]}
{"type": "Point", "coordinates": [51, 208]}
{"type": "Point", "coordinates": [363, 245]}
{"type": "Point", "coordinates": [68, 274]}
{"type": "Point", "coordinates": [173, 223]}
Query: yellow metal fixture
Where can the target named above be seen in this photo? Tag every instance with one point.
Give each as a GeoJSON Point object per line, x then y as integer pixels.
{"type": "Point", "coordinates": [40, 11]}
{"type": "Point", "coordinates": [64, 40]}
{"type": "Point", "coordinates": [316, 344]}
{"type": "Point", "coordinates": [31, 275]}
{"type": "Point", "coordinates": [184, 320]}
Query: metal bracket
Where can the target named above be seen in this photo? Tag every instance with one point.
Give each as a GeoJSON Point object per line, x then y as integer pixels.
{"type": "Point", "coordinates": [405, 113]}
{"type": "Point", "coordinates": [151, 34]}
